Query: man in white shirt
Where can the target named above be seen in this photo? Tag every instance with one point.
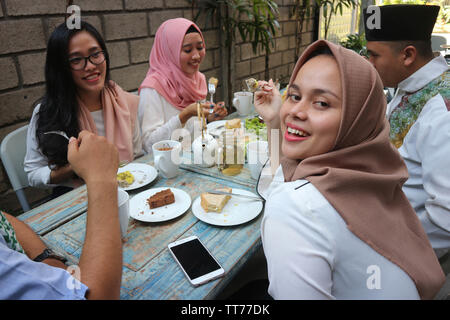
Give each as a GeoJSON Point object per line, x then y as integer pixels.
{"type": "Point", "coordinates": [399, 47]}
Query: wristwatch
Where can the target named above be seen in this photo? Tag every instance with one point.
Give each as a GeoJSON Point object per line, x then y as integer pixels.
{"type": "Point", "coordinates": [48, 253]}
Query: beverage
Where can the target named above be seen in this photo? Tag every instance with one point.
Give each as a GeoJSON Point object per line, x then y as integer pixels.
{"type": "Point", "coordinates": [230, 154]}
{"type": "Point", "coordinates": [232, 169]}
{"type": "Point", "coordinates": [166, 156]}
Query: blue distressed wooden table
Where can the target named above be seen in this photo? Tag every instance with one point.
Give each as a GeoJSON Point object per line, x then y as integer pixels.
{"type": "Point", "coordinates": [149, 271]}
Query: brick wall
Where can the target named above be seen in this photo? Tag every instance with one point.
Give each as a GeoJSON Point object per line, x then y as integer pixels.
{"type": "Point", "coordinates": [128, 27]}
{"type": "Point", "coordinates": [281, 59]}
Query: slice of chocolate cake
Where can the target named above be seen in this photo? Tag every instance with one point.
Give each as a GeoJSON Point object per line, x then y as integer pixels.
{"type": "Point", "coordinates": [161, 198]}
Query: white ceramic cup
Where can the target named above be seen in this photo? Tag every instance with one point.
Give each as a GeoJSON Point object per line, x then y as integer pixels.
{"type": "Point", "coordinates": [243, 102]}
{"type": "Point", "coordinates": [257, 155]}
{"type": "Point", "coordinates": [124, 210]}
{"type": "Point", "coordinates": [167, 158]}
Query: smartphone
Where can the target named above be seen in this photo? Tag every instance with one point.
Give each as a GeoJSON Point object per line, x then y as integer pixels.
{"type": "Point", "coordinates": [195, 260]}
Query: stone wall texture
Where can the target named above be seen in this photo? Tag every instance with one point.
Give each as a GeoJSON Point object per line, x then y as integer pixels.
{"type": "Point", "coordinates": [128, 27]}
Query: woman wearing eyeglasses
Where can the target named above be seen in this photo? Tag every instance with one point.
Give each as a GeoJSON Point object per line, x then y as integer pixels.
{"type": "Point", "coordinates": [79, 96]}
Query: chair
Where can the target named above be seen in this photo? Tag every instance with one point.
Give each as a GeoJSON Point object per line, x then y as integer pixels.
{"type": "Point", "coordinates": [12, 152]}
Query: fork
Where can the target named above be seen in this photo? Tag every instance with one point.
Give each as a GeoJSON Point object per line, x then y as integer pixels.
{"type": "Point", "coordinates": [61, 133]}
{"type": "Point", "coordinates": [235, 195]}
{"type": "Point", "coordinates": [211, 90]}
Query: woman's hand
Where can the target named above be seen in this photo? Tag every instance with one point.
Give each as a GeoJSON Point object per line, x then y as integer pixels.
{"type": "Point", "coordinates": [62, 174]}
{"type": "Point", "coordinates": [93, 158]}
{"type": "Point", "coordinates": [191, 111]}
{"type": "Point", "coordinates": [268, 103]}
{"type": "Point", "coordinates": [218, 112]}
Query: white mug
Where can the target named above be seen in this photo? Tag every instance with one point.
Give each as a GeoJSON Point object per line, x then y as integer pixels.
{"type": "Point", "coordinates": [257, 155]}
{"type": "Point", "coordinates": [166, 155]}
{"type": "Point", "coordinates": [243, 102]}
{"type": "Point", "coordinates": [124, 210]}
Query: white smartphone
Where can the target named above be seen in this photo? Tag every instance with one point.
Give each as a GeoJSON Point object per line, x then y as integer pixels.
{"type": "Point", "coordinates": [195, 260]}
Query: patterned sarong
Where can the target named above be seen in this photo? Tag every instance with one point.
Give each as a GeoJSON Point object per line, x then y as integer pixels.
{"type": "Point", "coordinates": [7, 232]}
{"type": "Point", "coordinates": [406, 113]}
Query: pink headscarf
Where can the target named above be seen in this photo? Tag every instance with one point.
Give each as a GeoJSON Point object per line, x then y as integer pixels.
{"type": "Point", "coordinates": [165, 74]}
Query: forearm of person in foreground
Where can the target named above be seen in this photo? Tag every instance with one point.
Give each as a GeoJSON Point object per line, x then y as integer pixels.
{"type": "Point", "coordinates": [31, 243]}
{"type": "Point", "coordinates": [96, 161]}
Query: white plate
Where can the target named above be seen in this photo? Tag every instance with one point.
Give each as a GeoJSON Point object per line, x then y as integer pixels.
{"type": "Point", "coordinates": [143, 174]}
{"type": "Point", "coordinates": [236, 211]}
{"type": "Point", "coordinates": [217, 127]}
{"type": "Point", "coordinates": [140, 210]}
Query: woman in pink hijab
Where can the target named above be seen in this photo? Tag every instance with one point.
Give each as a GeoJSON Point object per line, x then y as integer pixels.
{"type": "Point", "coordinates": [174, 84]}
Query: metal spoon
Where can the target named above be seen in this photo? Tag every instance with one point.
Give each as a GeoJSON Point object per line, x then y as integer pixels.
{"type": "Point", "coordinates": [61, 133]}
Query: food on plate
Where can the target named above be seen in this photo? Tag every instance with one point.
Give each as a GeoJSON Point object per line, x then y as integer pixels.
{"type": "Point", "coordinates": [214, 202]}
{"type": "Point", "coordinates": [161, 198]}
{"type": "Point", "coordinates": [213, 81]}
{"type": "Point", "coordinates": [255, 125]}
{"type": "Point", "coordinates": [233, 123]}
{"type": "Point", "coordinates": [252, 84]}
{"type": "Point", "coordinates": [125, 179]}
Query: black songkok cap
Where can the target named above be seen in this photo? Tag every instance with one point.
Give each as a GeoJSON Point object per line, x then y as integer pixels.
{"type": "Point", "coordinates": [399, 22]}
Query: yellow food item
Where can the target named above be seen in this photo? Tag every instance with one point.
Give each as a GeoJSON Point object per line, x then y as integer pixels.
{"type": "Point", "coordinates": [125, 179]}
{"type": "Point", "coordinates": [252, 84]}
{"type": "Point", "coordinates": [214, 81]}
{"type": "Point", "coordinates": [233, 123]}
{"type": "Point", "coordinates": [214, 202]}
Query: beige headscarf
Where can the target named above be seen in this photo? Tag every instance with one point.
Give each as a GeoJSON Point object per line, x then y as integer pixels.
{"type": "Point", "coordinates": [119, 115]}
{"type": "Point", "coordinates": [362, 176]}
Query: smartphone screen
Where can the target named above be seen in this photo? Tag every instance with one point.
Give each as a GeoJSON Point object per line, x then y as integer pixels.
{"type": "Point", "coordinates": [194, 258]}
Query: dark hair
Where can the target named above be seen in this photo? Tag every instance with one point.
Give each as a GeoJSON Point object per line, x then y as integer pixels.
{"type": "Point", "coordinates": [59, 108]}
{"type": "Point", "coordinates": [320, 51]}
{"type": "Point", "coordinates": [192, 29]}
{"type": "Point", "coordinates": [423, 47]}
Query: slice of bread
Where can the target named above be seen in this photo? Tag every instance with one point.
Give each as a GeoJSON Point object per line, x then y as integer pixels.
{"type": "Point", "coordinates": [233, 123]}
{"type": "Point", "coordinates": [214, 202]}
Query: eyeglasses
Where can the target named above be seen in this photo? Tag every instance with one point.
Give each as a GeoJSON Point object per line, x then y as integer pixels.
{"type": "Point", "coordinates": [79, 63]}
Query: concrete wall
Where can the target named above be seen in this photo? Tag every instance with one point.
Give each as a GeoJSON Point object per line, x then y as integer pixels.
{"type": "Point", "coordinates": [129, 27]}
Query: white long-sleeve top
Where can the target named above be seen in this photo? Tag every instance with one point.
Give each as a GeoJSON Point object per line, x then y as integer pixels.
{"type": "Point", "coordinates": [426, 152]}
{"type": "Point", "coordinates": [311, 254]}
{"type": "Point", "coordinates": [36, 163]}
{"type": "Point", "coordinates": [159, 120]}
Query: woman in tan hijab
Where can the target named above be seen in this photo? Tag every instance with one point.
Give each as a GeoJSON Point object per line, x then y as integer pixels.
{"type": "Point", "coordinates": [337, 224]}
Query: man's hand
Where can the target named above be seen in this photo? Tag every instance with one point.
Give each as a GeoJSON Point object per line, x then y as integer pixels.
{"type": "Point", "coordinates": [92, 157]}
